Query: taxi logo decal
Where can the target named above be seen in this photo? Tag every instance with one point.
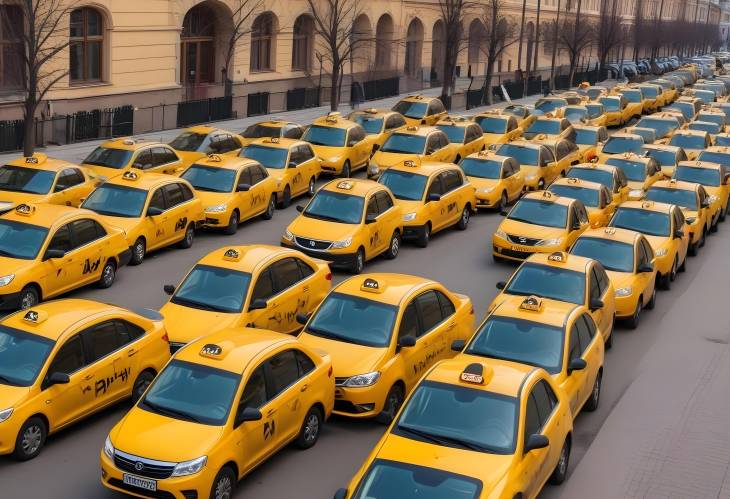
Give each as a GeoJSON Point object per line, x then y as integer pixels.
{"type": "Point", "coordinates": [269, 429]}
{"type": "Point", "coordinates": [30, 160]}
{"type": "Point", "coordinates": [231, 254]}
{"type": "Point", "coordinates": [345, 184]}
{"type": "Point", "coordinates": [181, 224]}
{"type": "Point", "coordinates": [473, 373]}
{"type": "Point", "coordinates": [257, 199]}
{"type": "Point", "coordinates": [211, 350]}
{"type": "Point", "coordinates": [375, 239]}
{"type": "Point", "coordinates": [91, 267]}
{"type": "Point", "coordinates": [130, 175]}
{"type": "Point", "coordinates": [370, 284]}
{"type": "Point", "coordinates": [31, 316]}
{"type": "Point", "coordinates": [531, 303]}
{"type": "Point", "coordinates": [24, 209]}
{"type": "Point", "coordinates": [101, 386]}
{"type": "Point", "coordinates": [425, 363]}
{"type": "Point", "coordinates": [558, 257]}
{"type": "Point", "coordinates": [214, 157]}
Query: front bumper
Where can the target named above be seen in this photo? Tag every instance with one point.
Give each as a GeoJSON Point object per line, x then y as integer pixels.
{"type": "Point", "coordinates": [10, 301]}
{"type": "Point", "coordinates": [365, 402]}
{"type": "Point", "coordinates": [505, 249]}
{"type": "Point", "coordinates": [343, 259]}
{"type": "Point", "coordinates": [490, 200]}
{"type": "Point", "coordinates": [626, 305]}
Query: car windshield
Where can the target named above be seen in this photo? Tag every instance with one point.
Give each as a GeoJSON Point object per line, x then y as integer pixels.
{"type": "Point", "coordinates": [649, 222]}
{"type": "Point", "coordinates": [680, 197]}
{"type": "Point", "coordinates": [453, 132]}
{"type": "Point", "coordinates": [372, 125]}
{"type": "Point", "coordinates": [706, 126]}
{"type": "Point", "coordinates": [647, 134]}
{"type": "Point", "coordinates": [481, 168]}
{"type": "Point", "coordinates": [108, 157]}
{"type": "Point", "coordinates": [718, 119]}
{"type": "Point", "coordinates": [396, 480]}
{"type": "Point", "coordinates": [650, 92]}
{"type": "Point", "coordinates": [258, 131]}
{"type": "Point", "coordinates": [613, 255]}
{"type": "Point", "coordinates": [575, 115]}
{"type": "Point", "coordinates": [189, 141]}
{"type": "Point", "coordinates": [550, 127]}
{"type": "Point", "coordinates": [586, 137]}
{"type": "Point", "coordinates": [192, 392]}
{"type": "Point", "coordinates": [28, 180]}
{"type": "Point", "coordinates": [410, 109]}
{"type": "Point", "coordinates": [116, 201]}
{"type": "Point", "coordinates": [688, 141]}
{"type": "Point", "coordinates": [662, 156]}
{"type": "Point", "coordinates": [352, 319]}
{"type": "Point", "coordinates": [335, 207]}
{"type": "Point", "coordinates": [215, 289]}
{"type": "Point", "coordinates": [594, 110]}
{"type": "Point", "coordinates": [611, 103]}
{"type": "Point", "coordinates": [715, 157]}
{"type": "Point", "coordinates": [687, 109]}
{"type": "Point", "coordinates": [722, 140]}
{"type": "Point", "coordinates": [269, 157]}
{"type": "Point", "coordinates": [405, 143]}
{"type": "Point", "coordinates": [210, 179]}
{"type": "Point", "coordinates": [634, 170]}
{"type": "Point", "coordinates": [492, 124]}
{"type": "Point", "coordinates": [325, 136]}
{"type": "Point", "coordinates": [22, 355]}
{"type": "Point", "coordinates": [632, 95]}
{"type": "Point", "coordinates": [548, 282]}
{"type": "Point", "coordinates": [524, 155]}
{"type": "Point", "coordinates": [18, 240]}
{"type": "Point", "coordinates": [663, 127]}
{"type": "Point", "coordinates": [461, 417]}
{"type": "Point", "coordinates": [590, 197]}
{"type": "Point", "coordinates": [549, 105]}
{"type": "Point", "coordinates": [619, 145]}
{"type": "Point", "coordinates": [404, 185]}
{"type": "Point", "coordinates": [519, 340]}
{"type": "Point", "coordinates": [592, 175]}
{"type": "Point", "coordinates": [545, 213]}
{"type": "Point", "coordinates": [704, 176]}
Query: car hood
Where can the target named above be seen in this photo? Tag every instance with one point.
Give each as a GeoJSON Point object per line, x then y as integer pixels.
{"type": "Point", "coordinates": [14, 265]}
{"type": "Point", "coordinates": [10, 199]}
{"type": "Point", "coordinates": [321, 229]}
{"type": "Point", "coordinates": [620, 279]}
{"type": "Point", "coordinates": [483, 183]}
{"type": "Point", "coordinates": [328, 153]}
{"type": "Point", "coordinates": [517, 228]}
{"type": "Point", "coordinates": [657, 242]}
{"type": "Point", "coordinates": [348, 359]}
{"type": "Point", "coordinates": [184, 324]}
{"type": "Point", "coordinates": [189, 157]}
{"type": "Point", "coordinates": [409, 206]}
{"type": "Point", "coordinates": [214, 198]}
{"type": "Point", "coordinates": [12, 396]}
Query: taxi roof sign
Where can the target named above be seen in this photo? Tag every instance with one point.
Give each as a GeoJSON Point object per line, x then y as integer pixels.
{"type": "Point", "coordinates": [532, 303]}
{"type": "Point", "coordinates": [610, 230]}
{"type": "Point", "coordinates": [573, 180]}
{"type": "Point", "coordinates": [371, 110]}
{"type": "Point", "coordinates": [130, 175]}
{"type": "Point", "coordinates": [232, 255]}
{"type": "Point", "coordinates": [473, 373]}
{"type": "Point", "coordinates": [214, 157]}
{"type": "Point", "coordinates": [558, 257]}
{"type": "Point", "coordinates": [35, 316]}
{"type": "Point", "coordinates": [24, 209]}
{"type": "Point", "coordinates": [211, 350]}
{"type": "Point", "coordinates": [332, 117]}
{"type": "Point", "coordinates": [549, 195]}
{"type": "Point", "coordinates": [412, 128]}
{"type": "Point", "coordinates": [36, 159]}
{"type": "Point", "coordinates": [371, 286]}
{"type": "Point", "coordinates": [345, 184]}
{"type": "Point", "coordinates": [647, 204]}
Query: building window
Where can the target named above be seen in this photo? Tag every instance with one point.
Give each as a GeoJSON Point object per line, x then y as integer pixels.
{"type": "Point", "coordinates": [197, 47]}
{"type": "Point", "coordinates": [11, 47]}
{"type": "Point", "coordinates": [86, 42]}
{"type": "Point", "coordinates": [262, 43]}
{"type": "Point", "coordinates": [301, 56]}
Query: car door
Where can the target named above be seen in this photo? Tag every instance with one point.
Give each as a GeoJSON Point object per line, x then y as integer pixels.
{"type": "Point", "coordinates": [155, 226]}
{"type": "Point", "coordinates": [645, 256]}
{"type": "Point", "coordinates": [598, 292]}
{"type": "Point", "coordinates": [432, 340]}
{"type": "Point", "coordinates": [309, 166]}
{"type": "Point", "coordinates": [574, 381]}
{"type": "Point", "coordinates": [541, 418]}
{"type": "Point", "coordinates": [295, 171]}
{"type": "Point", "coordinates": [389, 219]}
{"type": "Point", "coordinates": [287, 387]}
{"type": "Point", "coordinates": [290, 294]}
{"type": "Point", "coordinates": [446, 151]}
{"type": "Point", "coordinates": [436, 213]}
{"type": "Point", "coordinates": [255, 439]}
{"type": "Point", "coordinates": [514, 178]}
{"type": "Point", "coordinates": [359, 146]}
{"type": "Point", "coordinates": [591, 344]}
{"type": "Point", "coordinates": [88, 251]}
{"type": "Point", "coordinates": [377, 238]}
{"type": "Point", "coordinates": [474, 139]}
{"type": "Point", "coordinates": [144, 160]}
{"type": "Point", "coordinates": [264, 289]}
{"type": "Point", "coordinates": [258, 197]}
{"type": "Point", "coordinates": [410, 357]}
{"type": "Point", "coordinates": [451, 202]}
{"type": "Point", "coordinates": [433, 144]}
{"type": "Point", "coordinates": [58, 271]}
{"type": "Point", "coordinates": [175, 219]}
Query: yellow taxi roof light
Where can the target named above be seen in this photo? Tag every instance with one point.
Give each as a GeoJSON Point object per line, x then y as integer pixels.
{"type": "Point", "coordinates": [476, 373]}
{"type": "Point", "coordinates": [345, 184]}
{"type": "Point", "coordinates": [232, 255]}
{"type": "Point", "coordinates": [371, 110]}
{"type": "Point", "coordinates": [215, 157]}
{"type": "Point", "coordinates": [610, 230]}
{"type": "Point", "coordinates": [36, 159]}
{"type": "Point", "coordinates": [35, 316]}
{"type": "Point", "coordinates": [532, 303]}
{"type": "Point", "coordinates": [647, 204]}
{"type": "Point", "coordinates": [372, 286]}
{"type": "Point", "coordinates": [130, 175]}
{"type": "Point", "coordinates": [212, 351]}
{"type": "Point", "coordinates": [25, 209]}
{"type": "Point", "coordinates": [558, 257]}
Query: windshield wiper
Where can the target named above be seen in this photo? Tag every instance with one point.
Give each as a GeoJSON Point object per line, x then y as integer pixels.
{"type": "Point", "coordinates": [324, 333]}
{"type": "Point", "coordinates": [167, 411]}
{"type": "Point", "coordinates": [197, 304]}
{"type": "Point", "coordinates": [322, 217]}
{"type": "Point", "coordinates": [442, 439]}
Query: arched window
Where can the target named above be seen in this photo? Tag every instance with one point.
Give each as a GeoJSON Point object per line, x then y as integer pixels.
{"type": "Point", "coordinates": [477, 41]}
{"type": "Point", "coordinates": [384, 42]}
{"type": "Point", "coordinates": [86, 43]}
{"type": "Point", "coordinates": [414, 46]}
{"type": "Point", "coordinates": [11, 47]}
{"type": "Point", "coordinates": [303, 44]}
{"type": "Point", "coordinates": [197, 46]}
{"type": "Point", "coordinates": [262, 42]}
{"type": "Point", "coordinates": [438, 49]}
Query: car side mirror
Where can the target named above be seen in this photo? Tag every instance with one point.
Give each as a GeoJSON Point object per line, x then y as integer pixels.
{"type": "Point", "coordinates": [647, 267]}
{"type": "Point", "coordinates": [501, 285]}
{"type": "Point", "coordinates": [595, 304]}
{"type": "Point", "coordinates": [257, 304]}
{"type": "Point", "coordinates": [154, 211]}
{"type": "Point", "coordinates": [458, 345]}
{"type": "Point", "coordinates": [53, 254]}
{"type": "Point", "coordinates": [577, 364]}
{"type": "Point", "coordinates": [678, 234]}
{"type": "Point", "coordinates": [370, 218]}
{"type": "Point", "coordinates": [535, 442]}
{"type": "Point", "coordinates": [248, 414]}
{"type": "Point", "coordinates": [407, 342]}
{"type": "Point", "coordinates": [341, 494]}
{"type": "Point", "coordinates": [291, 164]}
{"type": "Point", "coordinates": [58, 379]}
{"type": "Point", "coordinates": [243, 188]}
{"type": "Point", "coordinates": [302, 318]}
{"type": "Point", "coordinates": [168, 289]}
{"type": "Point", "coordinates": [433, 197]}
{"type": "Point", "coordinates": [727, 178]}
{"type": "Point", "coordinates": [300, 208]}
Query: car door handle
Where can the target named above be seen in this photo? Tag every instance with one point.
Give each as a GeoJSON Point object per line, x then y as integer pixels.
{"type": "Point", "coordinates": [271, 412]}
{"type": "Point", "coordinates": [88, 377]}
{"type": "Point", "coordinates": [131, 352]}
{"type": "Point", "coordinates": [304, 388]}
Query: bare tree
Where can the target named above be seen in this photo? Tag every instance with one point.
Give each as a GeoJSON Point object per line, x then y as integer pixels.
{"type": "Point", "coordinates": [452, 15]}
{"type": "Point", "coordinates": [609, 31]}
{"type": "Point", "coordinates": [556, 24]}
{"type": "Point", "coordinates": [334, 25]}
{"type": "Point", "coordinates": [501, 31]}
{"type": "Point", "coordinates": [242, 23]}
{"type": "Point", "coordinates": [640, 30]}
{"type": "Point", "coordinates": [575, 35]}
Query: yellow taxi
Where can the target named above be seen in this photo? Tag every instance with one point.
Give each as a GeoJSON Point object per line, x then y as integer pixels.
{"type": "Point", "coordinates": [692, 141]}
{"type": "Point", "coordinates": [712, 128]}
{"type": "Point", "coordinates": [593, 92]}
{"type": "Point", "coordinates": [653, 97]}
{"type": "Point", "coordinates": [640, 171]}
{"type": "Point", "coordinates": [384, 331]}
{"type": "Point", "coordinates": [348, 222]}
{"type": "Point", "coordinates": [540, 222]}
{"type": "Point", "coordinates": [433, 196]}
{"type": "Point", "coordinates": [47, 250]}
{"type": "Point", "coordinates": [663, 124]}
{"type": "Point", "coordinates": [554, 335]}
{"type": "Point", "coordinates": [713, 115]}
{"type": "Point", "coordinates": [292, 165]}
{"type": "Point", "coordinates": [617, 109]}
{"type": "Point", "coordinates": [341, 145]}
{"type": "Point", "coordinates": [223, 405]}
{"type": "Point", "coordinates": [537, 162]}
{"type": "Point", "coordinates": [667, 156]}
{"type": "Point", "coordinates": [592, 114]}
{"type": "Point", "coordinates": [254, 286]}
{"type": "Point", "coordinates": [570, 279]}
{"type": "Point", "coordinates": [472, 429]}
{"type": "Point", "coordinates": [549, 127]}
{"type": "Point", "coordinates": [498, 126]}
{"type": "Point", "coordinates": [380, 123]}
{"type": "Point", "coordinates": [40, 179]}
{"type": "Point", "coordinates": [427, 143]}
{"type": "Point", "coordinates": [628, 259]}
{"type": "Point", "coordinates": [596, 198]}
{"type": "Point", "coordinates": [466, 136]}
{"type": "Point", "coordinates": [619, 143]}
{"type": "Point", "coordinates": [565, 150]}
{"type": "Point", "coordinates": [197, 142]}
{"type": "Point", "coordinates": [114, 157]}
{"type": "Point", "coordinates": [63, 360]}
{"type": "Point", "coordinates": [700, 214]}
{"type": "Point", "coordinates": [669, 90]}
{"type": "Point", "coordinates": [587, 138]}
{"type": "Point", "coordinates": [523, 114]}
{"type": "Point", "coordinates": [497, 179]}
{"type": "Point", "coordinates": [648, 134]}
{"type": "Point", "coordinates": [550, 104]}
{"type": "Point", "coordinates": [607, 175]}
{"type": "Point", "coordinates": [712, 176]}
{"type": "Point", "coordinates": [273, 128]}
{"type": "Point", "coordinates": [634, 100]}
{"type": "Point", "coordinates": [666, 230]}
{"type": "Point", "coordinates": [690, 103]}
{"type": "Point", "coordinates": [152, 210]}
{"type": "Point", "coordinates": [420, 110]}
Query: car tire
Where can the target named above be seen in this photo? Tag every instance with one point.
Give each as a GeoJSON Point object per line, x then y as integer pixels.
{"type": "Point", "coordinates": [703, 240]}
{"type": "Point", "coordinates": [30, 439]}
{"type": "Point", "coordinates": [424, 236]}
{"type": "Point", "coordinates": [312, 188]}
{"type": "Point", "coordinates": [358, 265]}
{"type": "Point", "coordinates": [108, 274]}
{"type": "Point", "coordinates": [609, 341]}
{"type": "Point", "coordinates": [463, 222]}
{"type": "Point", "coordinates": [541, 184]}
{"type": "Point", "coordinates": [188, 238]}
{"type": "Point", "coordinates": [270, 209]}
{"type": "Point", "coordinates": [346, 170]}
{"type": "Point", "coordinates": [503, 202]}
{"type": "Point", "coordinates": [683, 267]}
{"type": "Point", "coordinates": [139, 250]}
{"type": "Point", "coordinates": [394, 247]}
{"type": "Point", "coordinates": [232, 226]}
{"type": "Point", "coordinates": [713, 226]}
{"type": "Point", "coordinates": [224, 484]}
{"type": "Point", "coordinates": [285, 200]}
{"type": "Point", "coordinates": [393, 402]}
{"type": "Point", "coordinates": [29, 297]}
{"type": "Point", "coordinates": [593, 401]}
{"type": "Point", "coordinates": [140, 385]}
{"type": "Point", "coordinates": [723, 214]}
{"type": "Point", "coordinates": [560, 473]}
{"type": "Point", "coordinates": [311, 429]}
{"type": "Point", "coordinates": [633, 321]}
{"type": "Point", "coordinates": [652, 303]}
{"type": "Point", "coordinates": [693, 249]}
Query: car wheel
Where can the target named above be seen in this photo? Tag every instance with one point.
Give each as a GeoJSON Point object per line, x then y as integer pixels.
{"type": "Point", "coordinates": [310, 430]}
{"type": "Point", "coordinates": [723, 214]}
{"type": "Point", "coordinates": [560, 473]}
{"type": "Point", "coordinates": [108, 274]}
{"type": "Point", "coordinates": [713, 226]}
{"type": "Point", "coordinates": [138, 251]}
{"type": "Point", "coordinates": [28, 297]}
{"type": "Point", "coordinates": [463, 222]}
{"type": "Point", "coordinates": [683, 267]}
{"type": "Point", "coordinates": [269, 213]}
{"type": "Point", "coordinates": [224, 484]}
{"type": "Point", "coordinates": [312, 187]}
{"type": "Point", "coordinates": [232, 226]}
{"type": "Point", "coordinates": [633, 321]}
{"type": "Point", "coordinates": [346, 170]}
{"type": "Point", "coordinates": [140, 385]}
{"type": "Point", "coordinates": [393, 401]}
{"type": "Point", "coordinates": [673, 272]}
{"type": "Point", "coordinates": [424, 237]}
{"type": "Point", "coordinates": [30, 439]}
{"type": "Point", "coordinates": [503, 202]}
{"type": "Point", "coordinates": [359, 264]}
{"type": "Point", "coordinates": [187, 240]}
{"type": "Point", "coordinates": [703, 239]}
{"type": "Point", "coordinates": [540, 184]}
{"type": "Point", "coordinates": [609, 341]}
{"type": "Point", "coordinates": [693, 249]}
{"type": "Point", "coordinates": [592, 403]}
{"type": "Point", "coordinates": [652, 302]}
{"type": "Point", "coordinates": [285, 200]}
{"type": "Point", "coordinates": [394, 246]}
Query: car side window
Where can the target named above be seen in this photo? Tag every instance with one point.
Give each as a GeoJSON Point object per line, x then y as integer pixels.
{"type": "Point", "coordinates": [603, 280]}
{"type": "Point", "coordinates": [286, 273]}
{"type": "Point", "coordinates": [306, 365]}
{"type": "Point", "coordinates": [292, 132]}
{"type": "Point", "coordinates": [429, 309]}
{"type": "Point", "coordinates": [532, 417]}
{"type": "Point", "coordinates": [61, 240]}
{"type": "Point", "coordinates": [134, 331]}
{"type": "Point", "coordinates": [574, 350]}
{"type": "Point", "coordinates": [595, 289]}
{"type": "Point", "coordinates": [648, 250]}
{"type": "Point", "coordinates": [306, 152]}
{"type": "Point", "coordinates": [66, 179]}
{"type": "Point", "coordinates": [102, 339]}
{"type": "Point", "coordinates": [69, 358]}
{"type": "Point", "coordinates": [409, 322]}
{"type": "Point", "coordinates": [186, 192]}
{"type": "Point", "coordinates": [582, 213]}
{"type": "Point", "coordinates": [681, 155]}
{"type": "Point", "coordinates": [257, 174]}
{"type": "Point", "coordinates": [586, 331]}
{"type": "Point", "coordinates": [436, 187]}
{"type": "Point", "coordinates": [158, 200]}
{"type": "Point", "coordinates": [283, 371]}
{"type": "Point", "coordinates": [143, 160]}
{"type": "Point", "coordinates": [174, 195]}
{"type": "Point", "coordinates": [84, 232]}
{"type": "Point", "coordinates": [163, 156]}
{"type": "Point", "coordinates": [384, 201]}
{"type": "Point", "coordinates": [447, 307]}
{"type": "Point", "coordinates": [304, 268]}
{"type": "Point", "coordinates": [356, 135]}
{"type": "Point", "coordinates": [432, 144]}
{"type": "Point", "coordinates": [372, 210]}
{"type": "Point", "coordinates": [546, 156]}
{"type": "Point", "coordinates": [561, 150]}
{"type": "Point", "coordinates": [254, 395]}
{"type": "Point", "coordinates": [475, 132]}
{"type": "Point", "coordinates": [245, 177]}
{"type": "Point", "coordinates": [264, 287]}
{"type": "Point", "coordinates": [452, 180]}
{"type": "Point", "coordinates": [545, 400]}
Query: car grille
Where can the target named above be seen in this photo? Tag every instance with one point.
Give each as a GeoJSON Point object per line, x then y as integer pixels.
{"type": "Point", "coordinates": [514, 254]}
{"type": "Point", "coordinates": [159, 494]}
{"type": "Point", "coordinates": [525, 241]}
{"type": "Point", "coordinates": [340, 381]}
{"type": "Point", "coordinates": [150, 468]}
{"type": "Point", "coordinates": [312, 244]}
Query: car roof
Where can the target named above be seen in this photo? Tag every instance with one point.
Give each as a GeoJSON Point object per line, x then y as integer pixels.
{"type": "Point", "coordinates": [226, 161]}
{"type": "Point", "coordinates": [687, 131]}
{"type": "Point", "coordinates": [42, 162]}
{"type": "Point", "coordinates": [130, 143]}
{"type": "Point", "coordinates": [450, 120]}
{"type": "Point", "coordinates": [428, 168]}
{"type": "Point", "coordinates": [561, 260]}
{"type": "Point", "coordinates": [701, 164]}
{"type": "Point", "coordinates": [246, 258]}
{"type": "Point", "coordinates": [550, 312]}
{"type": "Point", "coordinates": [549, 197]}
{"type": "Point", "coordinates": [277, 142]}
{"type": "Point", "coordinates": [377, 113]}
{"type": "Point", "coordinates": [646, 205]}
{"type": "Point", "coordinates": [388, 288]}
{"type": "Point", "coordinates": [596, 166]}
{"type": "Point", "coordinates": [525, 143]}
{"type": "Point", "coordinates": [661, 147]}
{"type": "Point", "coordinates": [354, 186]}
{"type": "Point", "coordinates": [44, 215]}
{"type": "Point", "coordinates": [576, 182]}
{"type": "Point", "coordinates": [419, 98]}
{"type": "Point", "coordinates": [142, 180]}
{"type": "Point", "coordinates": [204, 129]}
{"type": "Point", "coordinates": [504, 378]}
{"type": "Point", "coordinates": [613, 233]}
{"type": "Point", "coordinates": [489, 155]}
{"type": "Point", "coordinates": [676, 184]}
{"type": "Point", "coordinates": [626, 135]}
{"type": "Point", "coordinates": [418, 130]}
{"type": "Point", "coordinates": [719, 149]}
{"type": "Point", "coordinates": [334, 120]}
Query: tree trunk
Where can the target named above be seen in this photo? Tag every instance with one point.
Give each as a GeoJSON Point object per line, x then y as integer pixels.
{"type": "Point", "coordinates": [335, 91]}
{"type": "Point", "coordinates": [488, 81]}
{"type": "Point", "coordinates": [29, 108]}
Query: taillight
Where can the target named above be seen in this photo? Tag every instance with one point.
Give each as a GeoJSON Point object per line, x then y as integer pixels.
{"type": "Point", "coordinates": [165, 338]}
{"type": "Point", "coordinates": [328, 276]}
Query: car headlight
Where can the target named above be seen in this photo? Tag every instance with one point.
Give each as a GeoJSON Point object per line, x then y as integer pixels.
{"type": "Point", "coordinates": [690, 220]}
{"type": "Point", "coordinates": [624, 291]}
{"type": "Point", "coordinates": [660, 252]}
{"type": "Point", "coordinates": [368, 379]}
{"type": "Point", "coordinates": [637, 193]}
{"type": "Point", "coordinates": [5, 280]}
{"type": "Point", "coordinates": [109, 448]}
{"type": "Point", "coordinates": [288, 235]}
{"type": "Point", "coordinates": [486, 190]}
{"type": "Point", "coordinates": [500, 233]}
{"type": "Point", "coordinates": [342, 244]}
{"type": "Point", "coordinates": [190, 467]}
{"type": "Point", "coordinates": [216, 208]}
{"type": "Point", "coordinates": [550, 242]}
{"type": "Point", "coordinates": [408, 217]}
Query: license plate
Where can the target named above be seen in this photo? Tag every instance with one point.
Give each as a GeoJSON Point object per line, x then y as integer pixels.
{"type": "Point", "coordinates": [142, 483]}
{"type": "Point", "coordinates": [519, 248]}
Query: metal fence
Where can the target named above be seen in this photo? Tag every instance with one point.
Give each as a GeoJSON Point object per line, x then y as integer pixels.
{"type": "Point", "coordinates": [204, 110]}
